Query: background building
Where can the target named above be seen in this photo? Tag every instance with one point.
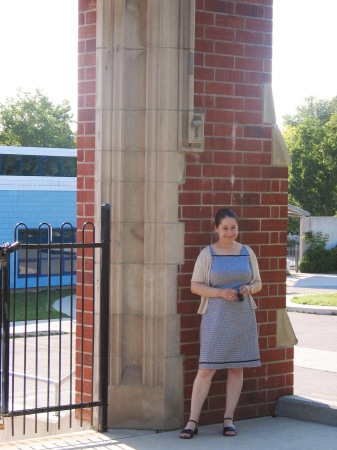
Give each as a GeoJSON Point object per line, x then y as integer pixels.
{"type": "Point", "coordinates": [37, 189]}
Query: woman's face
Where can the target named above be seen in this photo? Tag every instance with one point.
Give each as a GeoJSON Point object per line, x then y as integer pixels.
{"type": "Point", "coordinates": [227, 230]}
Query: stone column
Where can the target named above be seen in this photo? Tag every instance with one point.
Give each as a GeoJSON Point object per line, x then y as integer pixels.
{"type": "Point", "coordinates": [143, 54]}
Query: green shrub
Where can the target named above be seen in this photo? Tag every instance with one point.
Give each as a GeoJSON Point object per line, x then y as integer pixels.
{"type": "Point", "coordinates": [334, 257]}
{"type": "Point", "coordinates": [316, 239]}
{"type": "Point", "coordinates": [318, 260]}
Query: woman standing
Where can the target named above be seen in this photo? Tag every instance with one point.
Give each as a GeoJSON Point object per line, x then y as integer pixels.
{"type": "Point", "coordinates": [225, 275]}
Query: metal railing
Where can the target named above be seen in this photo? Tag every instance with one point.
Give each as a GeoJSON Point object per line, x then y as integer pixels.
{"type": "Point", "coordinates": [56, 383]}
{"type": "Point", "coordinates": [293, 257]}
{"type": "Point", "coordinates": [59, 352]}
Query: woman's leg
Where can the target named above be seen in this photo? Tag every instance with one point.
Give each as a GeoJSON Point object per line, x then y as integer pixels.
{"type": "Point", "coordinates": [200, 391]}
{"type": "Point", "coordinates": [233, 391]}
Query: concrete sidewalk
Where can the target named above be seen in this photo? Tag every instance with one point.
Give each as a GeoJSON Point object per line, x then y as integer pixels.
{"type": "Point", "coordinates": [255, 434]}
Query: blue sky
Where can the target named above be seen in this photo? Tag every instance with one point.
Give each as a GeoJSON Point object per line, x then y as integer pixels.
{"type": "Point", "coordinates": [38, 48]}
{"type": "Point", "coordinates": [34, 54]}
{"type": "Point", "coordinates": [304, 53]}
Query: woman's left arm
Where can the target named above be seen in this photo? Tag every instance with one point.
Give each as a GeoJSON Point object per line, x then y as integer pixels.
{"type": "Point", "coordinates": [255, 285]}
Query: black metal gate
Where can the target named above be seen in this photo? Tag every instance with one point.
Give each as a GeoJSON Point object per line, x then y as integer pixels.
{"type": "Point", "coordinates": [53, 350]}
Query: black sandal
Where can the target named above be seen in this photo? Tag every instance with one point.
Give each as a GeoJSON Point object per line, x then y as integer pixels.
{"type": "Point", "coordinates": [229, 431]}
{"type": "Point", "coordinates": [188, 431]}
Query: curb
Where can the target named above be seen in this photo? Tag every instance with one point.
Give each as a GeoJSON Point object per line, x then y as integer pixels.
{"type": "Point", "coordinates": [300, 408]}
{"type": "Point", "coordinates": [310, 309]}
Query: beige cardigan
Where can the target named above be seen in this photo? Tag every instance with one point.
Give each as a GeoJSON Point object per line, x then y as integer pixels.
{"type": "Point", "coordinates": [203, 266]}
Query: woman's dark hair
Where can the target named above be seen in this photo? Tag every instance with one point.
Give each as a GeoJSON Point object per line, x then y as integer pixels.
{"type": "Point", "coordinates": [222, 213]}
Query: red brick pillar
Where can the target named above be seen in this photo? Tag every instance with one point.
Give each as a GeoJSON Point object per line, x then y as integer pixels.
{"type": "Point", "coordinates": [238, 167]}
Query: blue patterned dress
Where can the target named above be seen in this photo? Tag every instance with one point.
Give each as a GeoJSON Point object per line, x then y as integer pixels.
{"type": "Point", "coordinates": [228, 333]}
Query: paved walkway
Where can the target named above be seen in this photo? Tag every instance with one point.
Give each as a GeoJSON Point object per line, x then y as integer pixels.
{"type": "Point", "coordinates": [280, 433]}
{"type": "Point", "coordinates": [256, 434]}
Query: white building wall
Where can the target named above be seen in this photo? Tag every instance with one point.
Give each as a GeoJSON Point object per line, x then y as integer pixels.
{"type": "Point", "coordinates": [325, 225]}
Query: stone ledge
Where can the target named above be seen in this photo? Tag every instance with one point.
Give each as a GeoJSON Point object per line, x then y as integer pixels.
{"type": "Point", "coordinates": [302, 408]}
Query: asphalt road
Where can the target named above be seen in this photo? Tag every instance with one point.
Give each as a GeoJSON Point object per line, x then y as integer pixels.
{"type": "Point", "coordinates": [315, 330]}
{"type": "Point", "coordinates": [318, 332]}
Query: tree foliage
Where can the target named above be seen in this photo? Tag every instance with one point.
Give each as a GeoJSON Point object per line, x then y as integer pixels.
{"type": "Point", "coordinates": [311, 137]}
{"type": "Point", "coordinates": [32, 120]}
{"type": "Point", "coordinates": [293, 225]}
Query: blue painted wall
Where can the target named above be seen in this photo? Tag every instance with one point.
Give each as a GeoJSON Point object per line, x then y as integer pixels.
{"type": "Point", "coordinates": [32, 208]}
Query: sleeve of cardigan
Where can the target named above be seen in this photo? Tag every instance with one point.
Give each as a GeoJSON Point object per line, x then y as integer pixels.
{"type": "Point", "coordinates": [255, 268]}
{"type": "Point", "coordinates": [200, 267]}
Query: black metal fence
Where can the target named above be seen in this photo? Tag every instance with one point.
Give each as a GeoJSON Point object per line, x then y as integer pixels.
{"type": "Point", "coordinates": [293, 257]}
{"type": "Point", "coordinates": [48, 350]}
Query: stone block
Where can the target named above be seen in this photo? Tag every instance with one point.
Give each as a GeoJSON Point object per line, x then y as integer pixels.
{"type": "Point", "coordinates": [164, 243]}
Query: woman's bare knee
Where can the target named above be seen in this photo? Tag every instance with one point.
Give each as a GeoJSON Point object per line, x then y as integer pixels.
{"type": "Point", "coordinates": [236, 372]}
{"type": "Point", "coordinates": [206, 373]}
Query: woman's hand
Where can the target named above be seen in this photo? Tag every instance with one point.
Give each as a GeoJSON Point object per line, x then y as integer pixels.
{"type": "Point", "coordinates": [212, 292]}
{"type": "Point", "coordinates": [229, 294]}
{"type": "Point", "coordinates": [245, 290]}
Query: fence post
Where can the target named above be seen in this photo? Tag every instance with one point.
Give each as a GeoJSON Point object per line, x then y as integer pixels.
{"type": "Point", "coordinates": [5, 251]}
{"type": "Point", "coordinates": [104, 316]}
{"type": "Point", "coordinates": [296, 258]}
{"type": "Point", "coordinates": [4, 297]}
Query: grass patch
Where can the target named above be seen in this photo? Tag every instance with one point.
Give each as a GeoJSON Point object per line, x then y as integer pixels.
{"type": "Point", "coordinates": [316, 300]}
{"type": "Point", "coordinates": [26, 303]}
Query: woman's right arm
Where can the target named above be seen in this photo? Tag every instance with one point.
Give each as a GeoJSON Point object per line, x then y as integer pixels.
{"type": "Point", "coordinates": [207, 291]}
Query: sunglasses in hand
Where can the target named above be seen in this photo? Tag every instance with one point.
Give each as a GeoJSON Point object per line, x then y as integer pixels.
{"type": "Point", "coordinates": [240, 296]}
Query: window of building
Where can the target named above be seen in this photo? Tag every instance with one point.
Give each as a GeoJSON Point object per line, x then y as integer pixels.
{"type": "Point", "coordinates": [44, 261]}
{"type": "Point", "coordinates": [10, 164]}
{"type": "Point", "coordinates": [35, 165]}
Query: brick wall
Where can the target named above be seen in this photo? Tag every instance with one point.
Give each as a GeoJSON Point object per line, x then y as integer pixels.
{"type": "Point", "coordinates": [86, 110]}
{"type": "Point", "coordinates": [233, 60]}
{"type": "Point", "coordinates": [85, 193]}
{"type": "Point", "coordinates": [232, 63]}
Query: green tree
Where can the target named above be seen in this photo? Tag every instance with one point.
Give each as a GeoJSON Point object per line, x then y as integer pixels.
{"type": "Point", "coordinates": [293, 225]}
{"type": "Point", "coordinates": [311, 137]}
{"type": "Point", "coordinates": [32, 120]}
